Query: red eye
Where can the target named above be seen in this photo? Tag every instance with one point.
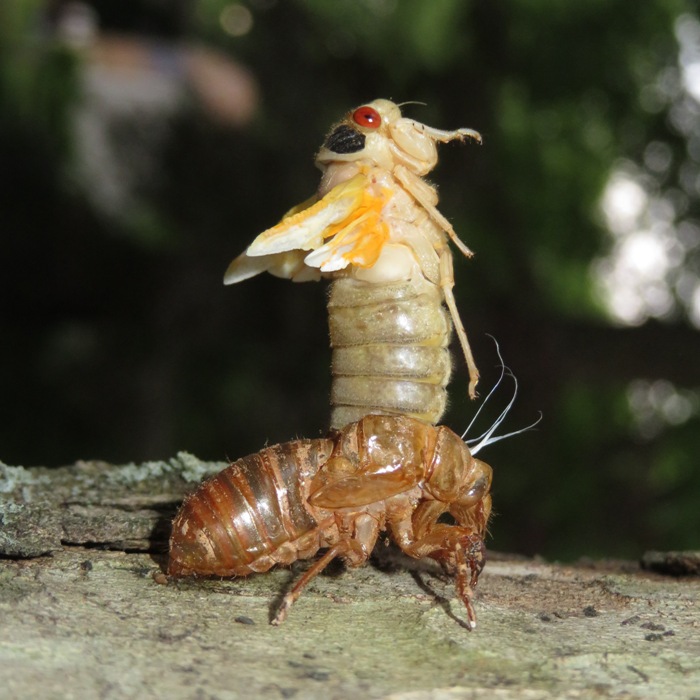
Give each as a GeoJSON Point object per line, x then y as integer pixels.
{"type": "Point", "coordinates": [367, 117]}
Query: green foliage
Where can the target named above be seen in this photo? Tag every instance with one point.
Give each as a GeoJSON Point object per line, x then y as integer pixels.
{"type": "Point", "coordinates": [399, 37]}
{"type": "Point", "coordinates": [37, 78]}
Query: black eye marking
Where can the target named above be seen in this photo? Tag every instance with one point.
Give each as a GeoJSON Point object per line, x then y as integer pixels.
{"type": "Point", "coordinates": [345, 139]}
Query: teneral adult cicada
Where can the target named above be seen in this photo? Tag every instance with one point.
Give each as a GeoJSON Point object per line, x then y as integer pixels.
{"type": "Point", "coordinates": [373, 228]}
{"type": "Point", "coordinates": [381, 473]}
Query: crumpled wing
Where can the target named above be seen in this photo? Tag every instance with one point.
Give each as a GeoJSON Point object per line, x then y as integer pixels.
{"type": "Point", "coordinates": [289, 265]}
{"type": "Point", "coordinates": [306, 229]}
{"type": "Point", "coordinates": [343, 228]}
{"type": "Point", "coordinates": [356, 240]}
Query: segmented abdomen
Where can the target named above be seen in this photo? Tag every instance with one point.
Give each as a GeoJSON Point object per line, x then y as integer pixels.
{"type": "Point", "coordinates": [390, 351]}
{"type": "Point", "coordinates": [252, 515]}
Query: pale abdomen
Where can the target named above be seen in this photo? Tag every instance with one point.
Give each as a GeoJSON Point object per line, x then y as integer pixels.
{"type": "Point", "coordinates": [390, 350]}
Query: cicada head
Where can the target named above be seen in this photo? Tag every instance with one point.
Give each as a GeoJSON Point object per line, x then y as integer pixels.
{"type": "Point", "coordinates": [376, 134]}
{"type": "Point", "coordinates": [457, 478]}
{"type": "Point", "coordinates": [363, 136]}
{"type": "Point", "coordinates": [462, 483]}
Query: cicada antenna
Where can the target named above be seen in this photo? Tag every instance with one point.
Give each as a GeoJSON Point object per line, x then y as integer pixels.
{"type": "Point", "coordinates": [412, 102]}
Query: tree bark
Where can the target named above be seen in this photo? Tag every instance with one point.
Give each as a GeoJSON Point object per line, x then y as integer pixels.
{"type": "Point", "coordinates": [82, 614]}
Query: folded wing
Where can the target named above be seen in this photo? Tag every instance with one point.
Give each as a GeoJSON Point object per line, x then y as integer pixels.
{"type": "Point", "coordinates": [343, 228]}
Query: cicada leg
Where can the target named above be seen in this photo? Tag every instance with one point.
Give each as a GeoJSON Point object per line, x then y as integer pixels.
{"type": "Point", "coordinates": [459, 549]}
{"type": "Point", "coordinates": [447, 283]}
{"type": "Point", "coordinates": [468, 569]}
{"type": "Point", "coordinates": [444, 136]}
{"type": "Point", "coordinates": [319, 565]}
{"type": "Point", "coordinates": [359, 534]}
{"type": "Point", "coordinates": [416, 188]}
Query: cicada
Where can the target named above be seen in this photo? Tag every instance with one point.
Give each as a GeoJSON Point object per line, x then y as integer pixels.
{"type": "Point", "coordinates": [374, 229]}
{"type": "Point", "coordinates": [382, 473]}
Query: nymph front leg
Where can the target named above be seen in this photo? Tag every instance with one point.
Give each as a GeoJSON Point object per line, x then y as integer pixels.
{"type": "Point", "coordinates": [459, 548]}
{"type": "Point", "coordinates": [469, 566]}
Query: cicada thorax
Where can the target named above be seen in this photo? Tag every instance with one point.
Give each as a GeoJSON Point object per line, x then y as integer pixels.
{"type": "Point", "coordinates": [390, 349]}
{"type": "Point", "coordinates": [252, 515]}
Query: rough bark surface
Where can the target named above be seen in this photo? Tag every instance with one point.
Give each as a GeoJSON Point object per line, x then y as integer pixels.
{"type": "Point", "coordinates": [82, 616]}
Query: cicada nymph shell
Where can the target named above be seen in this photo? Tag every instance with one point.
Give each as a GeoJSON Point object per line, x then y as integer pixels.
{"type": "Point", "coordinates": [381, 473]}
{"type": "Point", "coordinates": [374, 230]}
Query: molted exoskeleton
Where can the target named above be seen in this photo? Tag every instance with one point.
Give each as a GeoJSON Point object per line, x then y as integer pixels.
{"type": "Point", "coordinates": [288, 501]}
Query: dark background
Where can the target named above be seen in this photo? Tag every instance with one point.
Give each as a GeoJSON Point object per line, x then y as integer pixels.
{"type": "Point", "coordinates": [118, 340]}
